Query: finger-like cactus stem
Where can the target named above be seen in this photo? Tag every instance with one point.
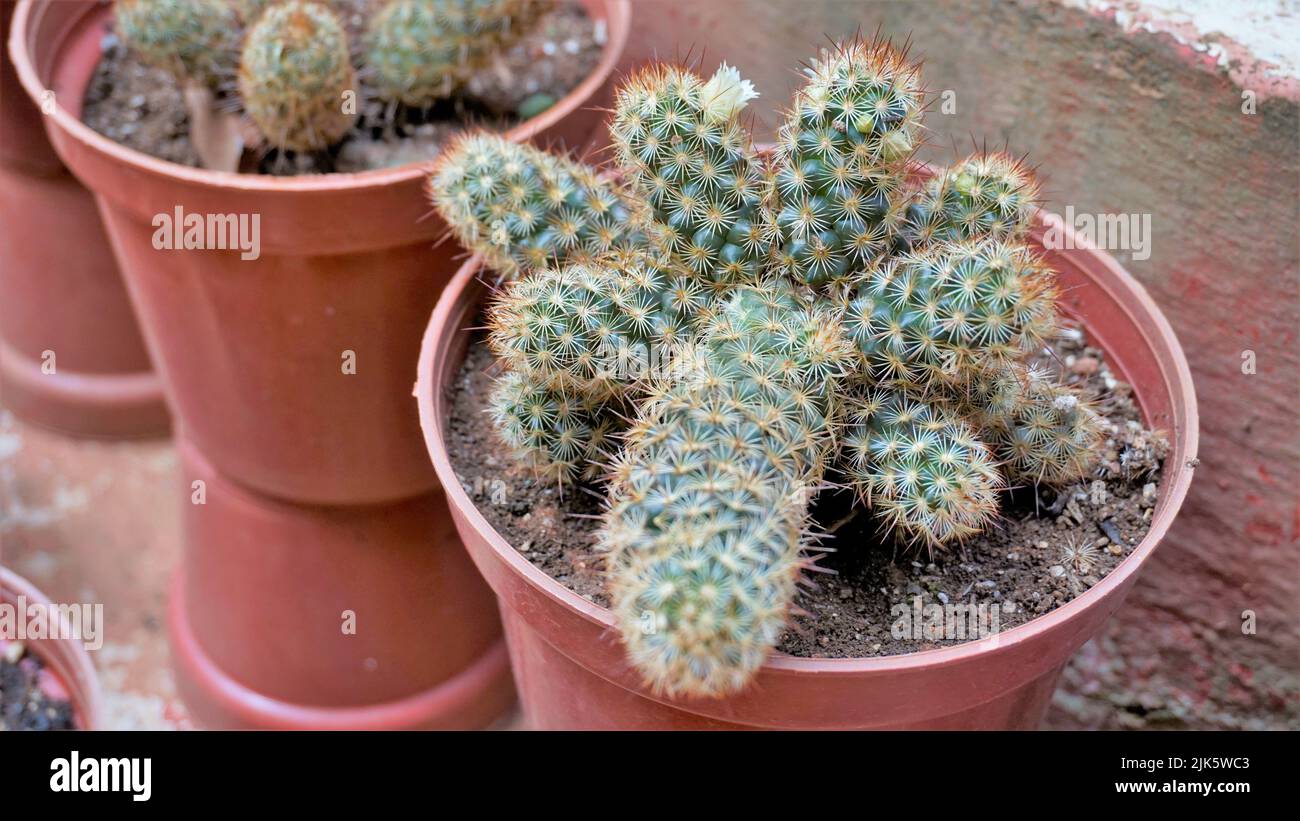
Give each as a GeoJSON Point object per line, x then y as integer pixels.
{"type": "Point", "coordinates": [295, 75]}
{"type": "Point", "coordinates": [921, 469]}
{"type": "Point", "coordinates": [695, 164]}
{"type": "Point", "coordinates": [841, 157]}
{"type": "Point", "coordinates": [598, 330]}
{"type": "Point", "coordinates": [195, 40]}
{"type": "Point", "coordinates": [422, 50]}
{"type": "Point", "coordinates": [708, 500]}
{"type": "Point", "coordinates": [942, 313]}
{"type": "Point", "coordinates": [563, 438]}
{"type": "Point", "coordinates": [985, 196]}
{"type": "Point", "coordinates": [523, 208]}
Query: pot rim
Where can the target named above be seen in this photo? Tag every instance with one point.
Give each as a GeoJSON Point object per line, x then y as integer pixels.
{"type": "Point", "coordinates": [618, 17]}
{"type": "Point", "coordinates": [451, 308]}
{"type": "Point", "coordinates": [66, 658]}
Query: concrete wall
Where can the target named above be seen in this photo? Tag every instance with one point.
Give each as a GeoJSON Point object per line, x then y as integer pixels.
{"type": "Point", "coordinates": [1146, 121]}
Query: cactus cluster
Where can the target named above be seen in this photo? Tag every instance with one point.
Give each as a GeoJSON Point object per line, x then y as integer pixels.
{"type": "Point", "coordinates": [828, 320]}
{"type": "Point", "coordinates": [194, 39]}
{"type": "Point", "coordinates": [294, 63]}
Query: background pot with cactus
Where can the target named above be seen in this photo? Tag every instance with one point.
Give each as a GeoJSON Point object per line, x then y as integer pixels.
{"type": "Point", "coordinates": [258, 169]}
{"type": "Point", "coordinates": [766, 364]}
{"type": "Point", "coordinates": [47, 681]}
{"type": "Point", "coordinates": [254, 288]}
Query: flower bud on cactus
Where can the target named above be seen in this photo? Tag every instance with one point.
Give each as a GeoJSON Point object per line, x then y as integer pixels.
{"type": "Point", "coordinates": [691, 159]}
{"type": "Point", "coordinates": [597, 331]}
{"type": "Point", "coordinates": [561, 437]}
{"type": "Point", "coordinates": [709, 497]}
{"type": "Point", "coordinates": [195, 40]}
{"type": "Point", "coordinates": [937, 315]}
{"type": "Point", "coordinates": [919, 468]}
{"type": "Point", "coordinates": [294, 75]}
{"type": "Point", "coordinates": [524, 208]}
{"type": "Point", "coordinates": [986, 196]}
{"type": "Point", "coordinates": [841, 158]}
{"type": "Point", "coordinates": [421, 50]}
{"type": "Point", "coordinates": [1043, 431]}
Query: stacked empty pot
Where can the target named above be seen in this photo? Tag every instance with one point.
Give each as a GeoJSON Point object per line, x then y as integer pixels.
{"type": "Point", "coordinates": [71, 356]}
{"type": "Point", "coordinates": [322, 583]}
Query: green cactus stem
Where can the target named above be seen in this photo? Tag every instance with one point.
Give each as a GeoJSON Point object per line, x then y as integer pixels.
{"type": "Point", "coordinates": [422, 50]}
{"type": "Point", "coordinates": [195, 40]}
{"type": "Point", "coordinates": [688, 155]}
{"type": "Point", "coordinates": [708, 500]}
{"type": "Point", "coordinates": [295, 75]}
{"type": "Point", "coordinates": [936, 315]}
{"type": "Point", "coordinates": [923, 471]}
{"type": "Point", "coordinates": [985, 196]}
{"type": "Point", "coordinates": [523, 208]}
{"type": "Point", "coordinates": [841, 158]}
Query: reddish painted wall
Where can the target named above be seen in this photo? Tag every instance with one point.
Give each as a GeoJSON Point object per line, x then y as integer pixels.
{"type": "Point", "coordinates": [1124, 124]}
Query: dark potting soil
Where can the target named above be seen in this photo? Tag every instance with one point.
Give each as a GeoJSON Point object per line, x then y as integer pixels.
{"type": "Point", "coordinates": [1047, 548]}
{"type": "Point", "coordinates": [23, 704]}
{"type": "Point", "coordinates": [141, 107]}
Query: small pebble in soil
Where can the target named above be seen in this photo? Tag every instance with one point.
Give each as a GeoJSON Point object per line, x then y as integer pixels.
{"type": "Point", "coordinates": [23, 704]}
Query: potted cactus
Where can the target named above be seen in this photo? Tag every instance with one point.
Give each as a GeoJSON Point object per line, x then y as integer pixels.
{"type": "Point", "coordinates": [47, 681]}
{"type": "Point", "coordinates": [832, 314]}
{"type": "Point", "coordinates": [254, 290]}
{"type": "Point", "coordinates": [281, 285]}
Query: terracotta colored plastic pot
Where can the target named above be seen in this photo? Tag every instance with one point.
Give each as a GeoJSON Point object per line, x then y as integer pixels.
{"type": "Point", "coordinates": [253, 352]}
{"type": "Point", "coordinates": [71, 674]}
{"type": "Point", "coordinates": [568, 660]}
{"type": "Point", "coordinates": [62, 292]}
{"type": "Point", "coordinates": [297, 617]}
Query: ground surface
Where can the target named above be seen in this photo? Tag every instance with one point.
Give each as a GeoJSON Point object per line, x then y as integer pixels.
{"type": "Point", "coordinates": [96, 522]}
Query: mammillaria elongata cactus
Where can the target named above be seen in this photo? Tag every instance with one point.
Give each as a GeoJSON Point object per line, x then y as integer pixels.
{"type": "Point", "coordinates": [420, 50]}
{"type": "Point", "coordinates": [849, 321]}
{"type": "Point", "coordinates": [524, 208]}
{"type": "Point", "coordinates": [294, 73]}
{"type": "Point", "coordinates": [696, 166]}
